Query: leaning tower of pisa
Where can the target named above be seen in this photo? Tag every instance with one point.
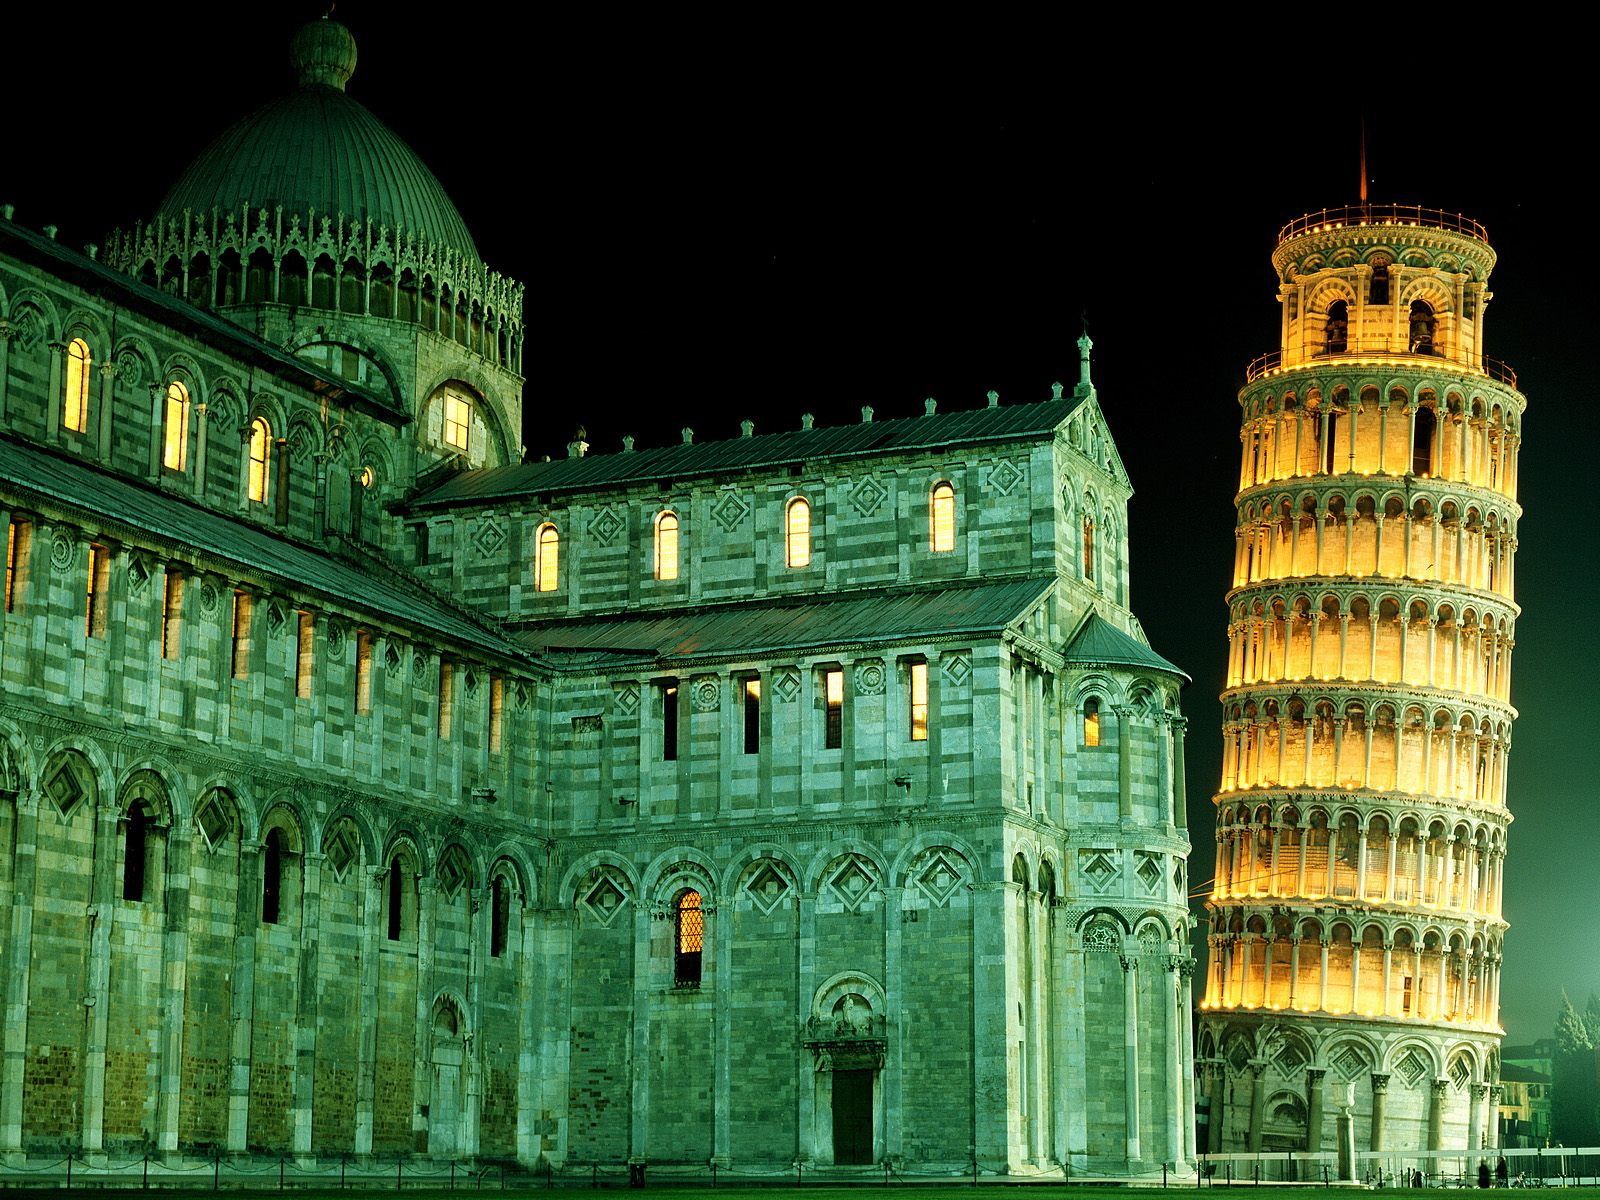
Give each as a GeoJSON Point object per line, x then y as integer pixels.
{"type": "Point", "coordinates": [1361, 819]}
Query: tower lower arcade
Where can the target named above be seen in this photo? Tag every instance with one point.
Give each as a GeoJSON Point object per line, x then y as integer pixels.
{"type": "Point", "coordinates": [1361, 820]}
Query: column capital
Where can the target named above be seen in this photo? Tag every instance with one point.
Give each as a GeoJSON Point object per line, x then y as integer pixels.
{"type": "Point", "coordinates": [1439, 1087]}
{"type": "Point", "coordinates": [1380, 1083]}
{"type": "Point", "coordinates": [1315, 1075]}
{"type": "Point", "coordinates": [1479, 1090]}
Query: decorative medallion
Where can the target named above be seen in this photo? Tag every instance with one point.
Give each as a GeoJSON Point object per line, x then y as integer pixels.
{"type": "Point", "coordinates": [209, 598]}
{"type": "Point", "coordinates": [276, 618]}
{"type": "Point", "coordinates": [335, 638]}
{"type": "Point", "coordinates": [707, 693]}
{"type": "Point", "coordinates": [852, 881]}
{"type": "Point", "coordinates": [521, 697]}
{"type": "Point", "coordinates": [605, 525]}
{"type": "Point", "coordinates": [787, 685]}
{"type": "Point", "coordinates": [130, 371]}
{"type": "Point", "coordinates": [869, 677]}
{"type": "Point", "coordinates": [214, 821]}
{"type": "Point", "coordinates": [1004, 477]}
{"type": "Point", "coordinates": [1290, 1058]}
{"type": "Point", "coordinates": [453, 871]}
{"type": "Point", "coordinates": [730, 511]}
{"type": "Point", "coordinates": [419, 668]}
{"type": "Point", "coordinates": [61, 552]}
{"type": "Point", "coordinates": [490, 537]}
{"type": "Point", "coordinates": [1411, 1068]}
{"type": "Point", "coordinates": [868, 496]}
{"type": "Point", "coordinates": [1460, 1074]}
{"type": "Point", "coordinates": [1097, 869]}
{"type": "Point", "coordinates": [627, 696]}
{"type": "Point", "coordinates": [1349, 1063]}
{"type": "Point", "coordinates": [26, 330]}
{"type": "Point", "coordinates": [393, 663]}
{"type": "Point", "coordinates": [938, 876]}
{"type": "Point", "coordinates": [957, 669]}
{"type": "Point", "coordinates": [605, 896]}
{"type": "Point", "coordinates": [341, 850]}
{"type": "Point", "coordinates": [471, 682]}
{"type": "Point", "coordinates": [1148, 871]}
{"type": "Point", "coordinates": [138, 576]}
{"type": "Point", "coordinates": [767, 887]}
{"type": "Point", "coordinates": [64, 787]}
{"type": "Point", "coordinates": [1150, 940]}
{"type": "Point", "coordinates": [587, 727]}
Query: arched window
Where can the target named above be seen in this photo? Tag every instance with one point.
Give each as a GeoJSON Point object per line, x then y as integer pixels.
{"type": "Point", "coordinates": [688, 929]}
{"type": "Point", "coordinates": [546, 566]}
{"type": "Point", "coordinates": [1088, 547]}
{"type": "Point", "coordinates": [402, 915]}
{"type": "Point", "coordinates": [499, 916]}
{"type": "Point", "coordinates": [135, 849]}
{"type": "Point", "coordinates": [260, 451]}
{"type": "Point", "coordinates": [1331, 443]}
{"type": "Point", "coordinates": [1423, 429]}
{"type": "Point", "coordinates": [175, 456]}
{"type": "Point", "coordinates": [1091, 722]}
{"type": "Point", "coordinates": [457, 420]}
{"type": "Point", "coordinates": [1422, 327]}
{"type": "Point", "coordinates": [1378, 293]}
{"type": "Point", "coordinates": [1338, 326]}
{"type": "Point", "coordinates": [666, 545]}
{"type": "Point", "coordinates": [797, 529]}
{"type": "Point", "coordinates": [942, 519]}
{"type": "Point", "coordinates": [75, 408]}
{"type": "Point", "coordinates": [272, 871]}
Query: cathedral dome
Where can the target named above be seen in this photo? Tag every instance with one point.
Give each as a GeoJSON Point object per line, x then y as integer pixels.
{"type": "Point", "coordinates": [318, 150]}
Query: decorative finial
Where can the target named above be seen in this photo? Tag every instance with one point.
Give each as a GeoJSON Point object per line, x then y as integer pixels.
{"type": "Point", "coordinates": [930, 406]}
{"type": "Point", "coordinates": [688, 436]}
{"type": "Point", "coordinates": [994, 398]}
{"type": "Point", "coordinates": [1085, 344]}
{"type": "Point", "coordinates": [747, 428]}
{"type": "Point", "coordinates": [1056, 389]}
{"type": "Point", "coordinates": [627, 443]}
{"type": "Point", "coordinates": [323, 53]}
{"type": "Point", "coordinates": [866, 414]}
{"type": "Point", "coordinates": [808, 422]}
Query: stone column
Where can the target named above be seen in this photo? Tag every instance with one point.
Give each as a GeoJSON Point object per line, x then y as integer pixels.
{"type": "Point", "coordinates": [1477, 1092]}
{"type": "Point", "coordinates": [241, 999]}
{"type": "Point", "coordinates": [1314, 1090]}
{"type": "Point", "coordinates": [1181, 1032]}
{"type": "Point", "coordinates": [54, 396]}
{"type": "Point", "coordinates": [305, 1017]}
{"type": "Point", "coordinates": [102, 908]}
{"type": "Point", "coordinates": [1258, 1103]}
{"type": "Point", "coordinates": [103, 424]}
{"type": "Point", "coordinates": [18, 952]}
{"type": "Point", "coordinates": [1176, 1029]}
{"type": "Point", "coordinates": [6, 330]}
{"type": "Point", "coordinates": [1124, 762]}
{"type": "Point", "coordinates": [1380, 1092]}
{"type": "Point", "coordinates": [1217, 1085]}
{"type": "Point", "coordinates": [1180, 800]}
{"type": "Point", "coordinates": [1440, 1088]}
{"type": "Point", "coordinates": [1491, 1127]}
{"type": "Point", "coordinates": [158, 394]}
{"type": "Point", "coordinates": [372, 878]}
{"type": "Point", "coordinates": [174, 979]}
{"type": "Point", "coordinates": [1130, 1037]}
{"type": "Point", "coordinates": [422, 1069]}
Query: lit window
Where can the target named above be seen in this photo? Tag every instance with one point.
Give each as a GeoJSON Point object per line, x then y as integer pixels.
{"type": "Point", "coordinates": [457, 420]}
{"type": "Point", "coordinates": [919, 702]}
{"type": "Point", "coordinates": [99, 581]}
{"type": "Point", "coordinates": [363, 671]}
{"type": "Point", "coordinates": [752, 716]}
{"type": "Point", "coordinates": [366, 477]}
{"type": "Point", "coordinates": [689, 939]}
{"type": "Point", "coordinates": [942, 519]}
{"type": "Point", "coordinates": [833, 712]}
{"type": "Point", "coordinates": [305, 656]}
{"type": "Point", "coordinates": [176, 455]}
{"type": "Point", "coordinates": [546, 565]}
{"type": "Point", "coordinates": [241, 634]}
{"type": "Point", "coordinates": [667, 545]}
{"type": "Point", "coordinates": [172, 615]}
{"type": "Point", "coordinates": [260, 450]}
{"type": "Point", "coordinates": [75, 411]}
{"type": "Point", "coordinates": [797, 527]}
{"type": "Point", "coordinates": [497, 708]}
{"type": "Point", "coordinates": [447, 698]}
{"type": "Point", "coordinates": [16, 555]}
{"type": "Point", "coordinates": [1088, 547]}
{"type": "Point", "coordinates": [669, 721]}
{"type": "Point", "coordinates": [1091, 723]}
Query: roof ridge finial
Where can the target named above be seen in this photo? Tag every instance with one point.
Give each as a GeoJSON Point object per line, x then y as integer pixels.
{"type": "Point", "coordinates": [1085, 344]}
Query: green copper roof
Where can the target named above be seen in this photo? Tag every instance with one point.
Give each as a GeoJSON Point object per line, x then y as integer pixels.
{"type": "Point", "coordinates": [318, 151]}
{"type": "Point", "coordinates": [1100, 643]}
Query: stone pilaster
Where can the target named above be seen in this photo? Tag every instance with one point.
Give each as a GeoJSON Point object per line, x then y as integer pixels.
{"type": "Point", "coordinates": [1315, 1087]}
{"type": "Point", "coordinates": [241, 1001]}
{"type": "Point", "coordinates": [18, 954]}
{"type": "Point", "coordinates": [1380, 1093]}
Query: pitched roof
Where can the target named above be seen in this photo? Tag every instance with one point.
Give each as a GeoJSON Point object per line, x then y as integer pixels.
{"type": "Point", "coordinates": [798, 623]}
{"type": "Point", "coordinates": [1100, 643]}
{"type": "Point", "coordinates": [684, 460]}
{"type": "Point", "coordinates": [144, 510]}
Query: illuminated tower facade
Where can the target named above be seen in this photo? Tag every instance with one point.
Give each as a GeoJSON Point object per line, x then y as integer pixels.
{"type": "Point", "coordinates": [1361, 820]}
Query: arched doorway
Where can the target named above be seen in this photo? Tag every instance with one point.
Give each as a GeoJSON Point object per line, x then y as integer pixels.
{"type": "Point", "coordinates": [448, 1061]}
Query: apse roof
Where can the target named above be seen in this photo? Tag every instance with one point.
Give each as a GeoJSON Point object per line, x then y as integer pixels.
{"type": "Point", "coordinates": [685, 460]}
{"type": "Point", "coordinates": [317, 151]}
{"type": "Point", "coordinates": [797, 623]}
{"type": "Point", "coordinates": [1100, 643]}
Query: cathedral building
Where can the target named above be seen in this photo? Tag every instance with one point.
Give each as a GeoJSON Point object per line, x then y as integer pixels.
{"type": "Point", "coordinates": [1356, 924]}
{"type": "Point", "coordinates": [807, 796]}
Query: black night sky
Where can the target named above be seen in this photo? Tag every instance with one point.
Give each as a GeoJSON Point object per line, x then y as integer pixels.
{"type": "Point", "coordinates": [758, 216]}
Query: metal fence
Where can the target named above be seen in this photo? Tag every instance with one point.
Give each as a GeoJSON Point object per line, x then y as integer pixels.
{"type": "Point", "coordinates": [1554, 1166]}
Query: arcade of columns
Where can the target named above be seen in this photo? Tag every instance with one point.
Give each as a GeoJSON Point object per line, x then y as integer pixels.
{"type": "Point", "coordinates": [1366, 719]}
